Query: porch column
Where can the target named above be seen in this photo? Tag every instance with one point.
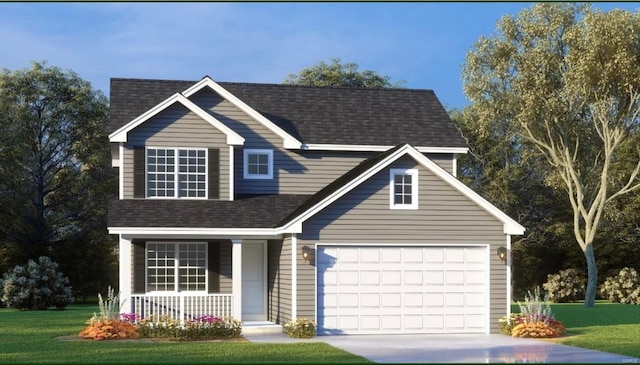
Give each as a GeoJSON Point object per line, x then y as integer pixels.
{"type": "Point", "coordinates": [125, 274]}
{"type": "Point", "coordinates": [236, 275]}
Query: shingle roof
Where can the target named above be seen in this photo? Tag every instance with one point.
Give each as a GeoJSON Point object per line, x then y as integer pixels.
{"type": "Point", "coordinates": [315, 115]}
{"type": "Point", "coordinates": [253, 212]}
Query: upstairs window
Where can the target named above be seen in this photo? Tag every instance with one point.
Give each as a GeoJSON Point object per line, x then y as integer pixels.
{"type": "Point", "coordinates": [258, 164]}
{"type": "Point", "coordinates": [403, 184]}
{"type": "Point", "coordinates": [176, 173]}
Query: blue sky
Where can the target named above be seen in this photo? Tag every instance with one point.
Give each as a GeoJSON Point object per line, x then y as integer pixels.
{"type": "Point", "coordinates": [422, 43]}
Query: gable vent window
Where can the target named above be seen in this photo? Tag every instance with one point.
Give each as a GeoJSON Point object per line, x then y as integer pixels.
{"type": "Point", "coordinates": [176, 173]}
{"type": "Point", "coordinates": [403, 189]}
{"type": "Point", "coordinates": [258, 164]}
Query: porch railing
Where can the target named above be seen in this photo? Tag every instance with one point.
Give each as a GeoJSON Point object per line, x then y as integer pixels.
{"type": "Point", "coordinates": [182, 307]}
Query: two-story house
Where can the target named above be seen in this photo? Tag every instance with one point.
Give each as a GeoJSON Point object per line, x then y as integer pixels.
{"type": "Point", "coordinates": [271, 202]}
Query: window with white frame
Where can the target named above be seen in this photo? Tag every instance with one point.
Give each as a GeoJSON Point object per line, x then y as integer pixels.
{"type": "Point", "coordinates": [176, 266]}
{"type": "Point", "coordinates": [258, 164]}
{"type": "Point", "coordinates": [403, 184]}
{"type": "Point", "coordinates": [176, 173]}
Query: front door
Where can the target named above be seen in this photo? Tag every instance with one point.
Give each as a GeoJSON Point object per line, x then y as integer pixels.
{"type": "Point", "coordinates": [254, 280]}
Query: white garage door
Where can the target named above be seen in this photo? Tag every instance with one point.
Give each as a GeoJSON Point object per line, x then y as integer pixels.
{"type": "Point", "coordinates": [390, 289]}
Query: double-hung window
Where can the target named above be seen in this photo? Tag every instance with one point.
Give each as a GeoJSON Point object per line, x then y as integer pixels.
{"type": "Point", "coordinates": [176, 173]}
{"type": "Point", "coordinates": [176, 266]}
{"type": "Point", "coordinates": [258, 164]}
{"type": "Point", "coordinates": [403, 184]}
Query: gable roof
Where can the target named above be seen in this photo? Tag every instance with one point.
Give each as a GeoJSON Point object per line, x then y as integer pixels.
{"type": "Point", "coordinates": [120, 135]}
{"type": "Point", "coordinates": [370, 167]}
{"type": "Point", "coordinates": [315, 116]}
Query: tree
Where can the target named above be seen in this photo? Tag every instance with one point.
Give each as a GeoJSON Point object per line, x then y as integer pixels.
{"type": "Point", "coordinates": [338, 74]}
{"type": "Point", "coordinates": [55, 173]}
{"type": "Point", "coordinates": [568, 78]}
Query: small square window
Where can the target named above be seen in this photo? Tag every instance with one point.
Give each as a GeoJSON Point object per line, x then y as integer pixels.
{"type": "Point", "coordinates": [403, 189]}
{"type": "Point", "coordinates": [258, 164]}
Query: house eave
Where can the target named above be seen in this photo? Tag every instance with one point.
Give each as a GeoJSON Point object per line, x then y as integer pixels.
{"type": "Point", "coordinates": [377, 148]}
{"type": "Point", "coordinates": [230, 233]}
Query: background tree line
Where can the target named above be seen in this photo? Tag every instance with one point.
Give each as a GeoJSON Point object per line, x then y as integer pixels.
{"type": "Point", "coordinates": [553, 131]}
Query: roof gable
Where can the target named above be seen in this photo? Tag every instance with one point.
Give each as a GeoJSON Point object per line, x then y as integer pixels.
{"type": "Point", "coordinates": [121, 134]}
{"type": "Point", "coordinates": [372, 166]}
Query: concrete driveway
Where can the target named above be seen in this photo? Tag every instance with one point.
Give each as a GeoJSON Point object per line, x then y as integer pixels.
{"type": "Point", "coordinates": [455, 349]}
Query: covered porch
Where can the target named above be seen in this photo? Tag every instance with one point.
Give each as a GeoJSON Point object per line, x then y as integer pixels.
{"type": "Point", "coordinates": [231, 277]}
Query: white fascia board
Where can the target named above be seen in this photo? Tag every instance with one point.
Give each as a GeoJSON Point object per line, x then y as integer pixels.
{"type": "Point", "coordinates": [509, 225]}
{"type": "Point", "coordinates": [185, 231]}
{"type": "Point", "coordinates": [121, 134]}
{"type": "Point", "coordinates": [289, 142]}
{"type": "Point", "coordinates": [376, 148]}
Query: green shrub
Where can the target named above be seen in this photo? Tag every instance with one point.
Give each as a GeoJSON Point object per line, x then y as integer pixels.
{"type": "Point", "coordinates": [301, 328]}
{"type": "Point", "coordinates": [622, 288]}
{"type": "Point", "coordinates": [38, 285]}
{"type": "Point", "coordinates": [566, 286]}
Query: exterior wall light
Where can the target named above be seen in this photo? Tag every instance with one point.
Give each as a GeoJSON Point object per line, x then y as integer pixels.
{"type": "Point", "coordinates": [502, 254]}
{"type": "Point", "coordinates": [306, 252]}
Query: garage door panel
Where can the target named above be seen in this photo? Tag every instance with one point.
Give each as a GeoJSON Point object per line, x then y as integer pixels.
{"type": "Point", "coordinates": [384, 289]}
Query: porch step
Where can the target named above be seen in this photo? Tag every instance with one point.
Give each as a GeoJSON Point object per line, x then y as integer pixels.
{"type": "Point", "coordinates": [260, 327]}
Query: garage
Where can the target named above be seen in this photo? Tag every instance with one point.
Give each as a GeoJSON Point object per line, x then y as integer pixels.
{"type": "Point", "coordinates": [388, 289]}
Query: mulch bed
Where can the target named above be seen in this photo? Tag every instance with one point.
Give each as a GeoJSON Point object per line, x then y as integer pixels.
{"type": "Point", "coordinates": [149, 340]}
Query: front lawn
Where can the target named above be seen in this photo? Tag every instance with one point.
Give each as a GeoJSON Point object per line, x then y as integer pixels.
{"type": "Point", "coordinates": [30, 337]}
{"type": "Point", "coordinates": [608, 327]}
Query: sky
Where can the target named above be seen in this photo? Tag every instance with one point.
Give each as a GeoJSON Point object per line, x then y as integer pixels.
{"type": "Point", "coordinates": [423, 44]}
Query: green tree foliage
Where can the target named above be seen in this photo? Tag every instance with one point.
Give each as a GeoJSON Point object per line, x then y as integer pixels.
{"type": "Point", "coordinates": [340, 74]}
{"type": "Point", "coordinates": [566, 79]}
{"type": "Point", "coordinates": [55, 173]}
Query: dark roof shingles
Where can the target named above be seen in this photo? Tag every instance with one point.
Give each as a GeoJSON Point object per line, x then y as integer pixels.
{"type": "Point", "coordinates": [253, 212]}
{"type": "Point", "coordinates": [316, 115]}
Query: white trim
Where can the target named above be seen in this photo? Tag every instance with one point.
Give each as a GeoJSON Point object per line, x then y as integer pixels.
{"type": "Point", "coordinates": [124, 272]}
{"type": "Point", "coordinates": [245, 163]}
{"type": "Point", "coordinates": [289, 141]}
{"type": "Point", "coordinates": [454, 166]}
{"type": "Point", "coordinates": [487, 278]}
{"type": "Point", "coordinates": [508, 268]}
{"type": "Point", "coordinates": [378, 148]}
{"type": "Point", "coordinates": [121, 134]}
{"type": "Point", "coordinates": [115, 160]}
{"type": "Point", "coordinates": [231, 172]}
{"type": "Point", "coordinates": [294, 277]}
{"type": "Point", "coordinates": [236, 274]}
{"type": "Point", "coordinates": [510, 226]}
{"type": "Point", "coordinates": [121, 173]}
{"type": "Point", "coordinates": [414, 189]}
{"type": "Point", "coordinates": [189, 231]}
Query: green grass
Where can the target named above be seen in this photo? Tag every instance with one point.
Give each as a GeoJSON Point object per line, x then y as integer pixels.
{"type": "Point", "coordinates": [30, 337]}
{"type": "Point", "coordinates": [606, 327]}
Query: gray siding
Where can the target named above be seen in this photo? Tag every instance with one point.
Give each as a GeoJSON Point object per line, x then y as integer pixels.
{"type": "Point", "coordinates": [295, 172]}
{"type": "Point", "coordinates": [444, 216]}
{"type": "Point", "coordinates": [279, 280]}
{"type": "Point", "coordinates": [176, 127]}
{"type": "Point", "coordinates": [225, 268]}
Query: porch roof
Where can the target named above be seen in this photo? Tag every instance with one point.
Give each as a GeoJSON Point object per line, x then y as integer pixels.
{"type": "Point", "coordinates": [264, 211]}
